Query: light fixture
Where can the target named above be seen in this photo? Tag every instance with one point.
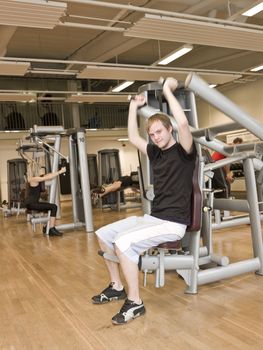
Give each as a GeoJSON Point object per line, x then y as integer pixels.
{"type": "Point", "coordinates": [197, 32]}
{"type": "Point", "coordinates": [212, 85]}
{"type": "Point", "coordinates": [175, 54]}
{"type": "Point", "coordinates": [123, 139]}
{"type": "Point", "coordinates": [152, 73]}
{"type": "Point", "coordinates": [256, 69]}
{"type": "Point", "coordinates": [254, 10]}
{"type": "Point", "coordinates": [122, 86]}
{"type": "Point", "coordinates": [31, 13]}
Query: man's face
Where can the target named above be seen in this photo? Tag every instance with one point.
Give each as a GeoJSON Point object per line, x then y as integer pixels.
{"type": "Point", "coordinates": [160, 136]}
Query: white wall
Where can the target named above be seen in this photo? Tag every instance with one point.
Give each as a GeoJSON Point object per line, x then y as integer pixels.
{"type": "Point", "coordinates": [7, 151]}
{"type": "Point", "coordinates": [249, 97]}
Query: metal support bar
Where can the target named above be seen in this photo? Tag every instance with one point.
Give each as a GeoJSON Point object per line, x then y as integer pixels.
{"type": "Point", "coordinates": [223, 104]}
{"type": "Point", "coordinates": [255, 223]}
{"type": "Point", "coordinates": [231, 204]}
{"type": "Point", "coordinates": [218, 273]}
{"type": "Point", "coordinates": [84, 178]}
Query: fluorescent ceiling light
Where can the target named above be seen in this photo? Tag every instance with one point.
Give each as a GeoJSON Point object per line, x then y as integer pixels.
{"type": "Point", "coordinates": [31, 13]}
{"type": "Point", "coordinates": [176, 54]}
{"type": "Point", "coordinates": [212, 85]}
{"type": "Point", "coordinates": [254, 10]}
{"type": "Point", "coordinates": [256, 69]}
{"type": "Point", "coordinates": [123, 139]}
{"type": "Point", "coordinates": [122, 86]}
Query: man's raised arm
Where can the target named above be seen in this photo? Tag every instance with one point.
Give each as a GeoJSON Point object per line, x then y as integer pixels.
{"type": "Point", "coordinates": [133, 133]}
{"type": "Point", "coordinates": [184, 133]}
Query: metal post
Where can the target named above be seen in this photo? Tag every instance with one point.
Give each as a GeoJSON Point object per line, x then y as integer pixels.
{"type": "Point", "coordinates": [52, 195]}
{"type": "Point", "coordinates": [73, 169]}
{"type": "Point", "coordinates": [84, 178]}
{"type": "Point", "coordinates": [255, 223]}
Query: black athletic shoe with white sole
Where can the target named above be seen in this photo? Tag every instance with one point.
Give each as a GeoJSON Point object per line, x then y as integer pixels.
{"type": "Point", "coordinates": [128, 312]}
{"type": "Point", "coordinates": [109, 294]}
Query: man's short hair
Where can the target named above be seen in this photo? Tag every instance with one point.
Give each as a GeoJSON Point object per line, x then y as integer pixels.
{"type": "Point", "coordinates": [163, 118]}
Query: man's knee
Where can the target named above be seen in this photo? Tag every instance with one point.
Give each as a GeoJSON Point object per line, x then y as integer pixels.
{"type": "Point", "coordinates": [103, 245]}
{"type": "Point", "coordinates": [117, 250]}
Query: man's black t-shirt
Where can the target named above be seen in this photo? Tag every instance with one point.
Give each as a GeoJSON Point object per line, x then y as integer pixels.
{"type": "Point", "coordinates": [172, 182]}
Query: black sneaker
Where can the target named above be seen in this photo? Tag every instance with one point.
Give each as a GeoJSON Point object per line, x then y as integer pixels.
{"type": "Point", "coordinates": [54, 232]}
{"type": "Point", "coordinates": [128, 312]}
{"type": "Point", "coordinates": [59, 233]}
{"type": "Point", "coordinates": [109, 294]}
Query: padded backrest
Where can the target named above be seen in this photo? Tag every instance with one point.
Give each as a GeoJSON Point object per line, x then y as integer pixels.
{"type": "Point", "coordinates": [196, 209]}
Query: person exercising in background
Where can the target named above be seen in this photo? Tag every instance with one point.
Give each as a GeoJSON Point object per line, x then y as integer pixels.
{"type": "Point", "coordinates": [218, 156]}
{"type": "Point", "coordinates": [121, 184]}
{"type": "Point", "coordinates": [32, 200]}
{"type": "Point", "coordinates": [172, 164]}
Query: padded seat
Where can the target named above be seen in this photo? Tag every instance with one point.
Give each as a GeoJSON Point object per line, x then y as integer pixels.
{"type": "Point", "coordinates": [174, 245]}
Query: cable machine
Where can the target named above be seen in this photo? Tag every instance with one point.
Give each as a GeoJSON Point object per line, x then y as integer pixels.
{"type": "Point", "coordinates": [49, 139]}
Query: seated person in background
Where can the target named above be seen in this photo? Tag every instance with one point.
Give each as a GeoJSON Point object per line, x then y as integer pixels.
{"type": "Point", "coordinates": [121, 184]}
{"type": "Point", "coordinates": [32, 201]}
{"type": "Point", "coordinates": [218, 156]}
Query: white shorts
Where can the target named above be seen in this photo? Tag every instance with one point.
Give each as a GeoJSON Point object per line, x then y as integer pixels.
{"type": "Point", "coordinates": [136, 234]}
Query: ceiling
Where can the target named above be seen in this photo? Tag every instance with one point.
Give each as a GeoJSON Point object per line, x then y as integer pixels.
{"type": "Point", "coordinates": [88, 47]}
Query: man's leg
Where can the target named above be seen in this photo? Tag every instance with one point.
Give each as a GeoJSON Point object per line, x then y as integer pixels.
{"type": "Point", "coordinates": [131, 275]}
{"type": "Point", "coordinates": [106, 236]}
{"type": "Point", "coordinates": [128, 246]}
{"type": "Point", "coordinates": [133, 306]}
{"type": "Point", "coordinates": [113, 267]}
{"type": "Point", "coordinates": [115, 290]}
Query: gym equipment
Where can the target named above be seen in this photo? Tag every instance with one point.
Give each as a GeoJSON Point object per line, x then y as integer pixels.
{"type": "Point", "coordinates": [207, 137]}
{"type": "Point", "coordinates": [93, 170]}
{"type": "Point", "coordinates": [109, 171]}
{"type": "Point", "coordinates": [16, 170]}
{"type": "Point", "coordinates": [47, 139]}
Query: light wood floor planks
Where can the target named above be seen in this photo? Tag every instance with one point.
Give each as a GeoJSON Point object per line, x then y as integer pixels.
{"type": "Point", "coordinates": [46, 285]}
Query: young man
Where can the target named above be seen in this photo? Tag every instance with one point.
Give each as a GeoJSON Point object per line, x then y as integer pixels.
{"type": "Point", "coordinates": [172, 164]}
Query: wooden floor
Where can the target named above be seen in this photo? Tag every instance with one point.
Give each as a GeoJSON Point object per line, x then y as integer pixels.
{"type": "Point", "coordinates": [46, 285]}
